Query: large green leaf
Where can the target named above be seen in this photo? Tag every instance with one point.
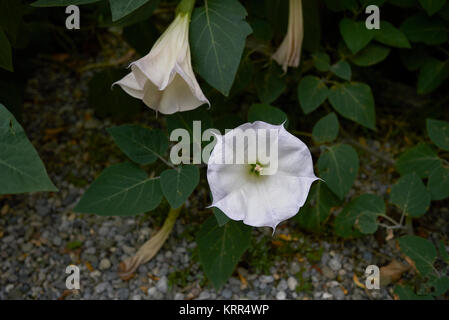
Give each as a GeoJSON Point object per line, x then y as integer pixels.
{"type": "Point", "coordinates": [222, 219]}
{"type": "Point", "coordinates": [317, 208]}
{"type": "Point", "coordinates": [338, 167]}
{"type": "Point", "coordinates": [218, 32]}
{"type": "Point", "coordinates": [326, 129]}
{"type": "Point", "coordinates": [21, 169]}
{"type": "Point", "coordinates": [342, 69]}
{"type": "Point", "coordinates": [421, 159]}
{"type": "Point", "coordinates": [359, 215]}
{"type": "Point", "coordinates": [438, 132]}
{"type": "Point", "coordinates": [354, 101]}
{"type": "Point", "coordinates": [420, 28]}
{"type": "Point", "coordinates": [11, 12]}
{"type": "Point", "coordinates": [121, 8]}
{"type": "Point", "coordinates": [391, 36]}
{"type": "Point", "coordinates": [121, 190]}
{"type": "Point", "coordinates": [220, 248]}
{"type": "Point", "coordinates": [410, 194]}
{"type": "Point", "coordinates": [371, 55]}
{"type": "Point", "coordinates": [178, 184]}
{"type": "Point", "coordinates": [61, 3]}
{"type": "Point", "coordinates": [312, 92]}
{"type": "Point", "coordinates": [438, 183]}
{"type": "Point", "coordinates": [266, 113]}
{"type": "Point", "coordinates": [270, 84]}
{"type": "Point", "coordinates": [355, 34]}
{"type": "Point", "coordinates": [407, 293]}
{"type": "Point", "coordinates": [5, 52]}
{"type": "Point", "coordinates": [432, 74]}
{"type": "Point", "coordinates": [432, 6]}
{"type": "Point", "coordinates": [321, 61]}
{"type": "Point", "coordinates": [141, 145]}
{"type": "Point", "coordinates": [421, 251]}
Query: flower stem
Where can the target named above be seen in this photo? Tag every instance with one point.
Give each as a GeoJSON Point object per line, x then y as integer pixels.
{"type": "Point", "coordinates": [149, 248]}
{"type": "Point", "coordinates": [185, 6]}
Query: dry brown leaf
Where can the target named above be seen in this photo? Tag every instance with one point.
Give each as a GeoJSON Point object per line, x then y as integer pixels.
{"type": "Point", "coordinates": [390, 234]}
{"type": "Point", "coordinates": [357, 282]}
{"type": "Point", "coordinates": [392, 272]}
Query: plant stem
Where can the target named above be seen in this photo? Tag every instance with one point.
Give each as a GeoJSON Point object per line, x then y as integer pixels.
{"type": "Point", "coordinates": [149, 248]}
{"type": "Point", "coordinates": [185, 6]}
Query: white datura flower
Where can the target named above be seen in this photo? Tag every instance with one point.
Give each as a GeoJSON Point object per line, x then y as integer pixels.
{"type": "Point", "coordinates": [289, 52]}
{"type": "Point", "coordinates": [164, 78]}
{"type": "Point", "coordinates": [244, 191]}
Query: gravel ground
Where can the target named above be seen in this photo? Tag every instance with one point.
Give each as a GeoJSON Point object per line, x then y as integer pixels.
{"type": "Point", "coordinates": [40, 235]}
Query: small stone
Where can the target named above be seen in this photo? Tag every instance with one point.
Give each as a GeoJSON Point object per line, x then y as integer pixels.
{"type": "Point", "coordinates": [266, 279]}
{"type": "Point", "coordinates": [204, 295]}
{"type": "Point", "coordinates": [292, 283]}
{"type": "Point", "coordinates": [327, 295]}
{"type": "Point", "coordinates": [179, 296]}
{"type": "Point", "coordinates": [281, 295]}
{"type": "Point", "coordinates": [105, 264]}
{"type": "Point", "coordinates": [136, 297]}
{"type": "Point", "coordinates": [162, 284]}
{"type": "Point", "coordinates": [335, 264]}
{"type": "Point", "coordinates": [328, 273]}
{"type": "Point", "coordinates": [226, 293]}
{"type": "Point", "coordinates": [337, 293]}
{"type": "Point", "coordinates": [152, 292]}
{"type": "Point", "coordinates": [123, 293]}
{"type": "Point", "coordinates": [101, 287]}
{"type": "Point", "coordinates": [282, 285]}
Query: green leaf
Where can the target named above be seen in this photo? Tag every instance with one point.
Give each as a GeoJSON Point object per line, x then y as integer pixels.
{"type": "Point", "coordinates": [121, 8]}
{"type": "Point", "coordinates": [317, 208]}
{"type": "Point", "coordinates": [60, 3]}
{"type": "Point", "coordinates": [391, 36]}
{"type": "Point", "coordinates": [438, 132]}
{"type": "Point", "coordinates": [367, 222]}
{"type": "Point", "coordinates": [186, 120]}
{"type": "Point", "coordinates": [371, 55]}
{"type": "Point", "coordinates": [404, 3]}
{"type": "Point", "coordinates": [443, 252]}
{"type": "Point", "coordinates": [406, 293]}
{"type": "Point", "coordinates": [420, 28]}
{"type": "Point", "coordinates": [143, 14]}
{"type": "Point", "coordinates": [355, 34]}
{"type": "Point", "coordinates": [342, 69]}
{"type": "Point", "coordinates": [326, 129]}
{"type": "Point", "coordinates": [218, 32]}
{"type": "Point", "coordinates": [410, 194]}
{"type": "Point", "coordinates": [111, 101]}
{"type": "Point", "coordinates": [432, 6]}
{"type": "Point", "coordinates": [222, 219]}
{"type": "Point", "coordinates": [439, 183]}
{"type": "Point", "coordinates": [432, 74]}
{"type": "Point", "coordinates": [178, 184]}
{"type": "Point", "coordinates": [266, 113]}
{"type": "Point", "coordinates": [141, 145]}
{"type": "Point", "coordinates": [321, 61]}
{"type": "Point", "coordinates": [21, 169]}
{"type": "Point", "coordinates": [338, 167]}
{"type": "Point", "coordinates": [421, 159]}
{"type": "Point", "coordinates": [220, 248]}
{"type": "Point", "coordinates": [270, 84]}
{"type": "Point", "coordinates": [121, 190]}
{"type": "Point", "coordinates": [354, 101]}
{"type": "Point", "coordinates": [421, 251]}
{"type": "Point", "coordinates": [5, 52]}
{"type": "Point", "coordinates": [360, 214]}
{"type": "Point", "coordinates": [312, 92]}
{"type": "Point", "coordinates": [11, 12]}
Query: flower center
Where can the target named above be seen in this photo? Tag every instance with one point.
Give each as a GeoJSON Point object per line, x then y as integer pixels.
{"type": "Point", "coordinates": [256, 168]}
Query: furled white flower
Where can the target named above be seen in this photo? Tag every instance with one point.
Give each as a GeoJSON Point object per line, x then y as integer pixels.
{"type": "Point", "coordinates": [164, 78]}
{"type": "Point", "coordinates": [244, 192]}
{"type": "Point", "coordinates": [289, 52]}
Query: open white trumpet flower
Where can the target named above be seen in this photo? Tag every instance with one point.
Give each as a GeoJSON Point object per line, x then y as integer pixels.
{"type": "Point", "coordinates": [289, 52]}
{"type": "Point", "coordinates": [244, 192]}
{"type": "Point", "coordinates": [164, 78]}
